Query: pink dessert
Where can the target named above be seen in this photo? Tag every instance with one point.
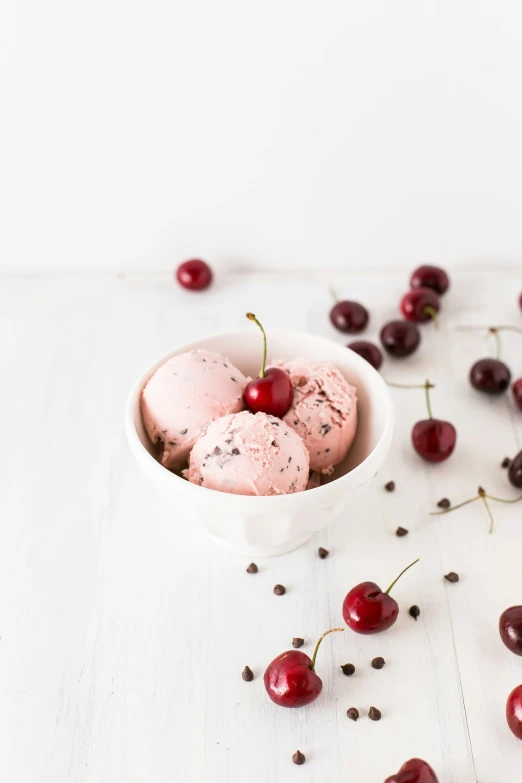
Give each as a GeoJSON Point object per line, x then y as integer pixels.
{"type": "Point", "coordinates": [183, 396]}
{"type": "Point", "coordinates": [249, 454]}
{"type": "Point", "coordinates": [323, 411]}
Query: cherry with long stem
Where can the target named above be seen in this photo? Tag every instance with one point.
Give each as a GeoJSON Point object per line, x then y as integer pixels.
{"type": "Point", "coordinates": [271, 392]}
{"type": "Point", "coordinates": [316, 648]}
{"type": "Point", "coordinates": [401, 573]}
{"type": "Point", "coordinates": [481, 495]}
{"type": "Point", "coordinates": [251, 317]}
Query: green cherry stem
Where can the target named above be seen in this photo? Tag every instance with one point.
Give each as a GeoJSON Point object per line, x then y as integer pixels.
{"type": "Point", "coordinates": [401, 573]}
{"type": "Point", "coordinates": [333, 294]}
{"type": "Point", "coordinates": [481, 495]}
{"type": "Point", "coordinates": [251, 317]}
{"type": "Point", "coordinates": [426, 386]}
{"type": "Point", "coordinates": [314, 656]}
{"type": "Point", "coordinates": [433, 315]}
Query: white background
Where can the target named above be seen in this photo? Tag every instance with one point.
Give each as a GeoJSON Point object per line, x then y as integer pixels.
{"type": "Point", "coordinates": [259, 133]}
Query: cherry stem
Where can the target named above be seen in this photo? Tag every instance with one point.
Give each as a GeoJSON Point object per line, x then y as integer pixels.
{"type": "Point", "coordinates": [426, 386]}
{"type": "Point", "coordinates": [251, 317]}
{"type": "Point", "coordinates": [314, 656]}
{"type": "Point", "coordinates": [482, 495]}
{"type": "Point", "coordinates": [488, 510]}
{"type": "Point", "coordinates": [333, 294]}
{"type": "Point", "coordinates": [401, 573]}
{"type": "Point", "coordinates": [489, 329]}
{"type": "Point", "coordinates": [433, 314]}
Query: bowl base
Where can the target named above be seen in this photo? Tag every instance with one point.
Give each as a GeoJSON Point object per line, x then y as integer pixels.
{"type": "Point", "coordinates": [261, 551]}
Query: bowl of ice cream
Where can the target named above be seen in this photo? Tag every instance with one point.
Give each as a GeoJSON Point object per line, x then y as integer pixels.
{"type": "Point", "coordinates": [245, 477]}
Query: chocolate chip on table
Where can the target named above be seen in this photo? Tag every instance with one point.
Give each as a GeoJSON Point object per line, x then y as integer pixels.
{"type": "Point", "coordinates": [390, 486]}
{"type": "Point", "coordinates": [374, 713]}
{"type": "Point", "coordinates": [451, 577]}
{"type": "Point", "coordinates": [322, 552]}
{"type": "Point", "coordinates": [414, 611]}
{"type": "Point", "coordinates": [297, 642]}
{"type": "Point", "coordinates": [279, 589]}
{"type": "Point", "coordinates": [298, 758]}
{"type": "Point", "coordinates": [444, 503]}
{"type": "Point", "coordinates": [401, 531]}
{"type": "Point", "coordinates": [353, 713]}
{"type": "Point", "coordinates": [506, 462]}
{"type": "Point", "coordinates": [252, 569]}
{"type": "Point", "coordinates": [247, 674]}
{"type": "Point", "coordinates": [378, 662]}
{"type": "Point", "coordinates": [348, 669]}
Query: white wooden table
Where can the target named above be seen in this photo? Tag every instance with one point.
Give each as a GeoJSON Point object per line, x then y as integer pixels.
{"type": "Point", "coordinates": [124, 632]}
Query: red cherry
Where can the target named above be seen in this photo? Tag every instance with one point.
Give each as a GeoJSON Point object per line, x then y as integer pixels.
{"type": "Point", "coordinates": [420, 305]}
{"type": "Point", "coordinates": [290, 680]}
{"type": "Point", "coordinates": [433, 439]}
{"type": "Point", "coordinates": [194, 275]}
{"type": "Point", "coordinates": [272, 391]}
{"type": "Point", "coordinates": [510, 629]}
{"type": "Point", "coordinates": [520, 301]}
{"type": "Point", "coordinates": [400, 338]}
{"type": "Point", "coordinates": [428, 276]}
{"type": "Point", "coordinates": [366, 609]}
{"type": "Point", "coordinates": [515, 471]}
{"type": "Point", "coordinates": [490, 376]}
{"type": "Point", "coordinates": [514, 711]}
{"type": "Point", "coordinates": [517, 392]}
{"type": "Point", "coordinates": [349, 317]}
{"type": "Point", "coordinates": [414, 771]}
{"type": "Point", "coordinates": [368, 351]}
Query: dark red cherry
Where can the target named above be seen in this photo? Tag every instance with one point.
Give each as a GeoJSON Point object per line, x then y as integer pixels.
{"type": "Point", "coordinates": [368, 351]}
{"type": "Point", "coordinates": [400, 338]}
{"type": "Point", "coordinates": [428, 276]}
{"type": "Point", "coordinates": [514, 711]}
{"type": "Point", "coordinates": [517, 393]}
{"type": "Point", "coordinates": [420, 305]}
{"type": "Point", "coordinates": [490, 376]}
{"type": "Point", "coordinates": [433, 439]}
{"type": "Point", "coordinates": [510, 628]}
{"type": "Point", "coordinates": [520, 301]}
{"type": "Point", "coordinates": [515, 471]}
{"type": "Point", "coordinates": [366, 609]}
{"type": "Point", "coordinates": [195, 275]}
{"type": "Point", "coordinates": [290, 680]}
{"type": "Point", "coordinates": [349, 317]}
{"type": "Point", "coordinates": [414, 771]}
{"type": "Point", "coordinates": [272, 391]}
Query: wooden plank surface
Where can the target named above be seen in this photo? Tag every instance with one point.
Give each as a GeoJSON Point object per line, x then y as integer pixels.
{"type": "Point", "coordinates": [124, 631]}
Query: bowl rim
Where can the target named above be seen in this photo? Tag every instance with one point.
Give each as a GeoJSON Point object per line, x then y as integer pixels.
{"type": "Point", "coordinates": [166, 476]}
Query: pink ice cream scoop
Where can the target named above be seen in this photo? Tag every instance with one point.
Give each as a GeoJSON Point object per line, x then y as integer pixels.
{"type": "Point", "coordinates": [183, 396]}
{"type": "Point", "coordinates": [249, 454]}
{"type": "Point", "coordinates": [323, 411]}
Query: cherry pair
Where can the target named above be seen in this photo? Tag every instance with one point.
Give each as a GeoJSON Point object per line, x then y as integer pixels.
{"type": "Point", "coordinates": [422, 303]}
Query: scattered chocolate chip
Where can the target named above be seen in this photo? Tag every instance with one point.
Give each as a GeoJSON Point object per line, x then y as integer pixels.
{"type": "Point", "coordinates": [444, 503]}
{"type": "Point", "coordinates": [451, 577]}
{"type": "Point", "coordinates": [322, 552]}
{"type": "Point", "coordinates": [414, 611]}
{"type": "Point", "coordinates": [401, 531]}
{"type": "Point", "coordinates": [390, 486]}
{"type": "Point", "coordinates": [282, 470]}
{"type": "Point", "coordinates": [378, 662]}
{"type": "Point", "coordinates": [279, 589]}
{"type": "Point", "coordinates": [235, 452]}
{"type": "Point", "coordinates": [297, 642]}
{"type": "Point", "coordinates": [183, 432]}
{"type": "Point", "coordinates": [296, 422]}
{"type": "Point", "coordinates": [506, 462]}
{"type": "Point", "coordinates": [298, 758]}
{"type": "Point", "coordinates": [298, 469]}
{"type": "Point", "coordinates": [374, 713]}
{"type": "Point", "coordinates": [225, 365]}
{"type": "Point", "coordinates": [247, 674]}
{"type": "Point", "coordinates": [353, 713]}
{"type": "Point", "coordinates": [326, 451]}
{"type": "Point", "coordinates": [348, 669]}
{"type": "Point", "coordinates": [252, 569]}
{"type": "Point", "coordinates": [217, 451]}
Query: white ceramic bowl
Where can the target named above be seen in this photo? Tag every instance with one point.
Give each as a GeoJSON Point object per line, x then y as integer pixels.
{"type": "Point", "coordinates": [260, 526]}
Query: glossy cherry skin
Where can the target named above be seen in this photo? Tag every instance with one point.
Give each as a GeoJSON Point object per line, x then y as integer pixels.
{"type": "Point", "coordinates": [349, 317]}
{"type": "Point", "coordinates": [414, 771]}
{"type": "Point", "coordinates": [400, 338]}
{"type": "Point", "coordinates": [366, 609]}
{"type": "Point", "coordinates": [433, 439]}
{"type": "Point", "coordinates": [520, 301]}
{"type": "Point", "coordinates": [272, 394]}
{"type": "Point", "coordinates": [490, 376]}
{"type": "Point", "coordinates": [290, 682]}
{"type": "Point", "coordinates": [510, 628]}
{"type": "Point", "coordinates": [517, 393]}
{"type": "Point", "coordinates": [195, 275]}
{"type": "Point", "coordinates": [428, 276]}
{"type": "Point", "coordinates": [515, 471]}
{"type": "Point", "coordinates": [514, 711]}
{"type": "Point", "coordinates": [417, 305]}
{"type": "Point", "coordinates": [368, 351]}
